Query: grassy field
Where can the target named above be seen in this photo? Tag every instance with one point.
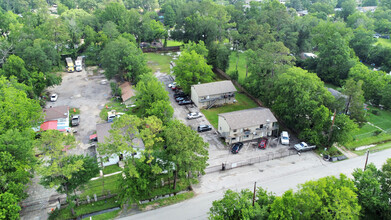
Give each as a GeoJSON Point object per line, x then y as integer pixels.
{"type": "Point", "coordinates": [172, 43]}
{"type": "Point", "coordinates": [156, 61]}
{"type": "Point", "coordinates": [241, 64]}
{"type": "Point", "coordinates": [384, 42]}
{"type": "Point", "coordinates": [366, 135]}
{"type": "Point", "coordinates": [95, 186]}
{"type": "Point", "coordinates": [111, 169]}
{"type": "Point", "coordinates": [88, 208]}
{"type": "Point", "coordinates": [244, 102]}
{"type": "Point", "coordinates": [105, 216]}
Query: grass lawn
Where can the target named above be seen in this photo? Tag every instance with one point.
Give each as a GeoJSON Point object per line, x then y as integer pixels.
{"type": "Point", "coordinates": [111, 169]}
{"type": "Point", "coordinates": [95, 186]}
{"type": "Point", "coordinates": [167, 201]}
{"type": "Point", "coordinates": [156, 61]}
{"type": "Point", "coordinates": [384, 42]}
{"type": "Point", "coordinates": [88, 208]}
{"type": "Point", "coordinates": [378, 147]}
{"type": "Point", "coordinates": [241, 65]}
{"type": "Point", "coordinates": [112, 105]}
{"type": "Point", "coordinates": [366, 134]}
{"type": "Point", "coordinates": [173, 43]}
{"type": "Point", "coordinates": [244, 102]}
{"type": "Point", "coordinates": [105, 216]}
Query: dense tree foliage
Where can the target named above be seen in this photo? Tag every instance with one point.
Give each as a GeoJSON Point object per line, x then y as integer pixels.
{"type": "Point", "coordinates": [326, 198]}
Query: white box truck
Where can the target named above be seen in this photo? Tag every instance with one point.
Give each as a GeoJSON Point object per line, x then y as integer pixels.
{"type": "Point", "coordinates": [79, 64]}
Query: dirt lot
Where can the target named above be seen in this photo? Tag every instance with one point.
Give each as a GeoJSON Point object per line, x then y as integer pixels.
{"type": "Point", "coordinates": [88, 92]}
{"type": "Point", "coordinates": [219, 152]}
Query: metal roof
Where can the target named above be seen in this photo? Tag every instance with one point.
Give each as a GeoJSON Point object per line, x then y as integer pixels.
{"type": "Point", "coordinates": [248, 117]}
{"type": "Point", "coordinates": [214, 88]}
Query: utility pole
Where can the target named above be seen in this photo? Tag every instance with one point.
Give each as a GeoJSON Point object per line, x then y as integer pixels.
{"type": "Point", "coordinates": [255, 185]}
{"type": "Point", "coordinates": [332, 124]}
{"type": "Point", "coordinates": [366, 161]}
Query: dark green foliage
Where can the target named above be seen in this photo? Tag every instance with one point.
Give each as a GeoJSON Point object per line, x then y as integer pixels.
{"type": "Point", "coordinates": [218, 55]}
{"type": "Point", "coordinates": [115, 89]}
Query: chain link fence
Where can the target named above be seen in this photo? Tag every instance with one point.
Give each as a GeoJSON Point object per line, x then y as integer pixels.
{"type": "Point", "coordinates": [268, 156]}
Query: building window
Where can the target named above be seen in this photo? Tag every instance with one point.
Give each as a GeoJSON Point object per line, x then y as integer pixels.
{"type": "Point", "coordinates": [220, 128]}
{"type": "Point", "coordinates": [246, 136]}
{"type": "Point", "coordinates": [260, 126]}
{"type": "Point", "coordinates": [232, 139]}
{"type": "Point", "coordinates": [235, 130]}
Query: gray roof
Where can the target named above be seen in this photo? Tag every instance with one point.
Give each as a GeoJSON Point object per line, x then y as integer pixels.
{"type": "Point", "coordinates": [102, 131]}
{"type": "Point", "coordinates": [248, 117]}
{"type": "Point", "coordinates": [55, 112]}
{"type": "Point", "coordinates": [214, 88]}
{"type": "Point", "coordinates": [336, 94]}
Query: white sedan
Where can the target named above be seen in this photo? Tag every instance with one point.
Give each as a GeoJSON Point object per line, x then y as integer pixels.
{"type": "Point", "coordinates": [194, 115]}
{"type": "Point", "coordinates": [172, 85]}
{"type": "Point", "coordinates": [53, 97]}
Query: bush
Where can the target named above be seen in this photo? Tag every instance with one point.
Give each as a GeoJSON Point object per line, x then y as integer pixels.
{"type": "Point", "coordinates": [377, 132]}
{"type": "Point", "coordinates": [375, 112]}
{"type": "Point", "coordinates": [234, 75]}
{"type": "Point", "coordinates": [115, 90]}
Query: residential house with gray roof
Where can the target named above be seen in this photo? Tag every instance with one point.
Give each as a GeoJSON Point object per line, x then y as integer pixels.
{"type": "Point", "coordinates": [247, 125]}
{"type": "Point", "coordinates": [212, 94]}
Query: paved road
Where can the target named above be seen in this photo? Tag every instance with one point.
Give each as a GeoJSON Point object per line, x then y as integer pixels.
{"type": "Point", "coordinates": [275, 177]}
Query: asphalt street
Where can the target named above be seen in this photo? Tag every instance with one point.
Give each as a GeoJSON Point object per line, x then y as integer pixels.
{"type": "Point", "coordinates": [275, 178]}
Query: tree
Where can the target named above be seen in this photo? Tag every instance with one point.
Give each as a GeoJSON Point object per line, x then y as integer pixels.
{"type": "Point", "coordinates": [169, 16]}
{"type": "Point", "coordinates": [199, 48]}
{"type": "Point", "coordinates": [372, 192]}
{"type": "Point", "coordinates": [18, 111]}
{"type": "Point", "coordinates": [60, 167]}
{"type": "Point", "coordinates": [152, 98]}
{"type": "Point", "coordinates": [386, 97]}
{"type": "Point", "coordinates": [9, 208]}
{"type": "Point", "coordinates": [234, 205]}
{"type": "Point", "coordinates": [348, 8]}
{"type": "Point", "coordinates": [335, 56]}
{"type": "Point", "coordinates": [374, 82]}
{"type": "Point", "coordinates": [218, 55]}
{"type": "Point", "coordinates": [285, 207]}
{"type": "Point", "coordinates": [356, 99]}
{"type": "Point", "coordinates": [362, 42]}
{"type": "Point", "coordinates": [186, 149]}
{"type": "Point", "coordinates": [121, 57]}
{"type": "Point", "coordinates": [191, 69]}
{"type": "Point", "coordinates": [19, 143]}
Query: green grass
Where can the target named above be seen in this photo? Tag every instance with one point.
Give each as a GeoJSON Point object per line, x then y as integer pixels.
{"type": "Point", "coordinates": [156, 61]}
{"type": "Point", "coordinates": [112, 105]}
{"type": "Point", "coordinates": [88, 208]}
{"type": "Point", "coordinates": [366, 134]}
{"type": "Point", "coordinates": [376, 148]}
{"type": "Point", "coordinates": [105, 216]}
{"type": "Point", "coordinates": [241, 65]}
{"type": "Point", "coordinates": [173, 43]}
{"type": "Point", "coordinates": [111, 169]}
{"type": "Point", "coordinates": [244, 102]}
{"type": "Point", "coordinates": [95, 186]}
{"type": "Point", "coordinates": [167, 201]}
{"type": "Point", "coordinates": [384, 42]}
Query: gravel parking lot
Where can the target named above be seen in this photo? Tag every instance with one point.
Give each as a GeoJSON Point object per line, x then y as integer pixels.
{"type": "Point", "coordinates": [219, 152]}
{"type": "Point", "coordinates": [88, 92]}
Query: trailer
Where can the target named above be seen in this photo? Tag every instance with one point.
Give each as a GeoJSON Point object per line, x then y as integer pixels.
{"type": "Point", "coordinates": [70, 66]}
{"type": "Point", "coordinates": [79, 63]}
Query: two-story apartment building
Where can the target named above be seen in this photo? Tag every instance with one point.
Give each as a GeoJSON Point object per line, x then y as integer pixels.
{"type": "Point", "coordinates": [213, 94]}
{"type": "Point", "coordinates": [246, 125]}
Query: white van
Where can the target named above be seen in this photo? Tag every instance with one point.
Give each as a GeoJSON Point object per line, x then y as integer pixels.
{"type": "Point", "coordinates": [285, 138]}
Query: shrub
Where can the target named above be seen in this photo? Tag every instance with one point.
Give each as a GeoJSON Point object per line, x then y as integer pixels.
{"type": "Point", "coordinates": [375, 112]}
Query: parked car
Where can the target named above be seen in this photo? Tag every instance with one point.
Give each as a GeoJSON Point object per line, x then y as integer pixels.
{"type": "Point", "coordinates": [203, 128]}
{"type": "Point", "coordinates": [53, 97]}
{"type": "Point", "coordinates": [303, 147]}
{"type": "Point", "coordinates": [75, 120]}
{"type": "Point", "coordinates": [178, 99]}
{"type": "Point", "coordinates": [236, 147]}
{"type": "Point", "coordinates": [171, 85]}
{"type": "Point", "coordinates": [194, 115]}
{"type": "Point", "coordinates": [185, 102]}
{"type": "Point", "coordinates": [263, 143]}
{"type": "Point", "coordinates": [285, 138]}
{"type": "Point", "coordinates": [179, 94]}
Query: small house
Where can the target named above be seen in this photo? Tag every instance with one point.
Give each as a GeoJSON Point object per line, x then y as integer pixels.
{"type": "Point", "coordinates": [56, 118]}
{"type": "Point", "coordinates": [212, 94]}
{"type": "Point", "coordinates": [127, 93]}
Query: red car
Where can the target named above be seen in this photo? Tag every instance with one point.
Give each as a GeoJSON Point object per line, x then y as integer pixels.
{"type": "Point", "coordinates": [263, 143]}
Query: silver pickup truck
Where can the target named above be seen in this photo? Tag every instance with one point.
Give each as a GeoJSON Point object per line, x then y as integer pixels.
{"type": "Point", "coordinates": [303, 147]}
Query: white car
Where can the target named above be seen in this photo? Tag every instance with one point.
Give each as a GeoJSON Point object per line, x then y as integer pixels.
{"type": "Point", "coordinates": [285, 138]}
{"type": "Point", "coordinates": [194, 115]}
{"type": "Point", "coordinates": [172, 85]}
{"type": "Point", "coordinates": [53, 97]}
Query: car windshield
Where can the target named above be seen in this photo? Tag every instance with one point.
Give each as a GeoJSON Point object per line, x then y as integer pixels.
{"type": "Point", "coordinates": [302, 144]}
{"type": "Point", "coordinates": [285, 138]}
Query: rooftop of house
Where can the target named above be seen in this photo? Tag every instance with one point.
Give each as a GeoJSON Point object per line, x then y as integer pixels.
{"type": "Point", "coordinates": [214, 88]}
{"type": "Point", "coordinates": [127, 91]}
{"type": "Point", "coordinates": [248, 117]}
{"type": "Point", "coordinates": [53, 113]}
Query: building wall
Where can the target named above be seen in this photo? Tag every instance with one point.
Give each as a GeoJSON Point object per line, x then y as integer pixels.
{"type": "Point", "coordinates": [243, 134]}
{"type": "Point", "coordinates": [194, 97]}
{"type": "Point", "coordinates": [202, 105]}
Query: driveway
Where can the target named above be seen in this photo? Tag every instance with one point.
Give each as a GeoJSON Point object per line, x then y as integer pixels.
{"type": "Point", "coordinates": [88, 92]}
{"type": "Point", "coordinates": [219, 152]}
